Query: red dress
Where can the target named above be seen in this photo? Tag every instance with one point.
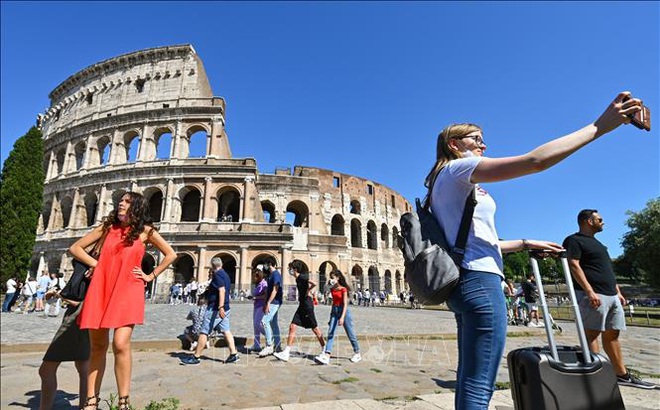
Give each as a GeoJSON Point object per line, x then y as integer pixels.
{"type": "Point", "coordinates": [115, 297]}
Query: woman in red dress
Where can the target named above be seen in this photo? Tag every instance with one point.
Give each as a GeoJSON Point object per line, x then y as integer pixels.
{"type": "Point", "coordinates": [115, 298]}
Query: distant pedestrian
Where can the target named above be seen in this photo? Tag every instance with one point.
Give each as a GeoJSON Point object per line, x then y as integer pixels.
{"type": "Point", "coordinates": [340, 315]}
{"type": "Point", "coordinates": [304, 315]}
{"type": "Point", "coordinates": [42, 288]}
{"type": "Point", "coordinates": [9, 295]}
{"type": "Point", "coordinates": [259, 295]}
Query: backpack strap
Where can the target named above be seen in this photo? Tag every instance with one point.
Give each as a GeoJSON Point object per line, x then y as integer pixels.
{"type": "Point", "coordinates": [463, 230]}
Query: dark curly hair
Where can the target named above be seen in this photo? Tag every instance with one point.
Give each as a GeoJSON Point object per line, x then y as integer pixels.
{"type": "Point", "coordinates": [138, 217]}
{"type": "Point", "coordinates": [340, 278]}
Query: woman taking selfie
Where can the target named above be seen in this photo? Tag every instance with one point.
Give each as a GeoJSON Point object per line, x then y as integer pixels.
{"type": "Point", "coordinates": [115, 298]}
{"type": "Point", "coordinates": [478, 301]}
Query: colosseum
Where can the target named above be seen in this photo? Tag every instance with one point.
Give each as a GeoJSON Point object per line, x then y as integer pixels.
{"type": "Point", "coordinates": [128, 124]}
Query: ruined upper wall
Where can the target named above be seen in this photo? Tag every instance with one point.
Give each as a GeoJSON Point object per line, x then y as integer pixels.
{"type": "Point", "coordinates": [155, 78]}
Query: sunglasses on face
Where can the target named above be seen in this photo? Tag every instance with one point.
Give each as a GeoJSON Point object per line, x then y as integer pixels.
{"type": "Point", "coordinates": [476, 138]}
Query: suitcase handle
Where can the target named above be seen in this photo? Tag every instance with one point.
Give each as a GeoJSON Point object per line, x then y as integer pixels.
{"type": "Point", "coordinates": [534, 255]}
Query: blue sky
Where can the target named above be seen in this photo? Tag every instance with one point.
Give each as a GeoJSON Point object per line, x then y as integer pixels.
{"type": "Point", "coordinates": [364, 88]}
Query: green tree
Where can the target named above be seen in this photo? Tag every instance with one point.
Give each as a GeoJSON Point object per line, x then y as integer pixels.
{"type": "Point", "coordinates": [516, 265]}
{"type": "Point", "coordinates": [21, 191]}
{"type": "Point", "coordinates": [641, 244]}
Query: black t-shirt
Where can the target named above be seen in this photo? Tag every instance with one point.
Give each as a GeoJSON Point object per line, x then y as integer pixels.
{"type": "Point", "coordinates": [302, 283]}
{"type": "Point", "coordinates": [529, 290]}
{"type": "Point", "coordinates": [595, 262]}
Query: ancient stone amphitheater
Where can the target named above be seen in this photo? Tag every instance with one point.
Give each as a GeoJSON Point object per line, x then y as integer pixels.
{"type": "Point", "coordinates": [130, 123]}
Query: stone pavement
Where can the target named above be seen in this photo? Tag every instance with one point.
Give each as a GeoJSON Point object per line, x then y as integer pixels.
{"type": "Point", "coordinates": [409, 362]}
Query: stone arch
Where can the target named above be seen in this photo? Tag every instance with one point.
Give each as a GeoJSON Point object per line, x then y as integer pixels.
{"type": "Point", "coordinates": [297, 214]}
{"type": "Point", "coordinates": [101, 156]}
{"type": "Point", "coordinates": [263, 258]}
{"type": "Point", "coordinates": [190, 198]}
{"type": "Point", "coordinates": [299, 260]}
{"type": "Point", "coordinates": [196, 141]}
{"type": "Point", "coordinates": [229, 202]}
{"type": "Point", "coordinates": [184, 268]}
{"type": "Point", "coordinates": [132, 145]}
{"type": "Point", "coordinates": [325, 269]}
{"type": "Point", "coordinates": [395, 237]}
{"type": "Point", "coordinates": [337, 225]}
{"type": "Point", "coordinates": [385, 236]}
{"type": "Point", "coordinates": [59, 158]}
{"type": "Point", "coordinates": [66, 205]}
{"type": "Point", "coordinates": [355, 207]}
{"type": "Point", "coordinates": [91, 207]}
{"type": "Point", "coordinates": [357, 277]}
{"type": "Point", "coordinates": [268, 209]}
{"type": "Point", "coordinates": [388, 282]}
{"type": "Point", "coordinates": [374, 279]}
{"type": "Point", "coordinates": [356, 233]}
{"type": "Point", "coordinates": [372, 235]}
{"type": "Point", "coordinates": [229, 265]}
{"type": "Point", "coordinates": [154, 197]}
{"type": "Point", "coordinates": [45, 213]}
{"type": "Point", "coordinates": [80, 152]}
{"type": "Point", "coordinates": [163, 142]}
{"type": "Point", "coordinates": [398, 282]}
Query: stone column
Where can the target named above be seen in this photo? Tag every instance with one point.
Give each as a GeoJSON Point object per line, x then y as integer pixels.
{"type": "Point", "coordinates": [206, 198]}
{"type": "Point", "coordinates": [169, 194]}
{"type": "Point", "coordinates": [244, 281]}
{"type": "Point", "coordinates": [69, 159]}
{"type": "Point", "coordinates": [146, 144]}
{"type": "Point", "coordinates": [51, 166]}
{"type": "Point", "coordinates": [201, 264]}
{"type": "Point", "coordinates": [285, 257]}
{"type": "Point", "coordinates": [100, 209]}
{"type": "Point", "coordinates": [176, 140]}
{"type": "Point", "coordinates": [53, 214]}
{"type": "Point", "coordinates": [89, 149]}
{"type": "Point", "coordinates": [115, 146]}
{"type": "Point", "coordinates": [248, 194]}
{"type": "Point", "coordinates": [73, 218]}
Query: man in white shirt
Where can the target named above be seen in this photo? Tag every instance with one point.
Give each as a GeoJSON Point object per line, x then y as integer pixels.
{"type": "Point", "coordinates": [11, 291]}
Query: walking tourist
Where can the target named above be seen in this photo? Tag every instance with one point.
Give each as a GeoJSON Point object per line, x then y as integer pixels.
{"type": "Point", "coordinates": [259, 295]}
{"type": "Point", "coordinates": [9, 295]}
{"type": "Point", "coordinates": [270, 321]}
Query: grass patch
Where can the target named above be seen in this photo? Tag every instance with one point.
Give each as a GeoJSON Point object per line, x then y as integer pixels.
{"type": "Point", "coordinates": [376, 370]}
{"type": "Point", "coordinates": [502, 385]}
{"type": "Point", "coordinates": [346, 380]}
{"type": "Point", "coordinates": [641, 374]}
{"type": "Point", "coordinates": [387, 398]}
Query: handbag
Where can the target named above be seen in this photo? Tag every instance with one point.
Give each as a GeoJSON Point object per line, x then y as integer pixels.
{"type": "Point", "coordinates": [432, 268]}
{"type": "Point", "coordinates": [76, 288]}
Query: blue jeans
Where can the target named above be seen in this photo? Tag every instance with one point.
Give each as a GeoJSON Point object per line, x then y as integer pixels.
{"type": "Point", "coordinates": [271, 327]}
{"type": "Point", "coordinates": [480, 309]}
{"type": "Point", "coordinates": [5, 304]}
{"type": "Point", "coordinates": [335, 314]}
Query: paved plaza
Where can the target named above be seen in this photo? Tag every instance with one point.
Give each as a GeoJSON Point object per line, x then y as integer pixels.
{"type": "Point", "coordinates": [409, 361]}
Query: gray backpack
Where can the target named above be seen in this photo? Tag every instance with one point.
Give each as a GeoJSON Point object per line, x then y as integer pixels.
{"type": "Point", "coordinates": [431, 268]}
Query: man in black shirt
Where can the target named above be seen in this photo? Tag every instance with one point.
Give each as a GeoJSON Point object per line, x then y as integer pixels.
{"type": "Point", "coordinates": [530, 292]}
{"type": "Point", "coordinates": [599, 297]}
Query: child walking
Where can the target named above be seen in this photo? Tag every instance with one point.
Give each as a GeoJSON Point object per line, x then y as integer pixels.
{"type": "Point", "coordinates": [339, 315]}
{"type": "Point", "coordinates": [304, 315]}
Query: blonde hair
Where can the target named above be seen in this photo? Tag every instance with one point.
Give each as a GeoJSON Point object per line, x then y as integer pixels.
{"type": "Point", "coordinates": [445, 153]}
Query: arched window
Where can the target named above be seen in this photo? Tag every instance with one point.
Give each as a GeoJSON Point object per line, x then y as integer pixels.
{"type": "Point", "coordinates": [163, 145]}
{"type": "Point", "coordinates": [103, 145]}
{"type": "Point", "coordinates": [155, 199]}
{"type": "Point", "coordinates": [229, 201]}
{"type": "Point", "coordinates": [60, 157]}
{"type": "Point", "coordinates": [190, 205]}
{"type": "Point", "coordinates": [269, 211]}
{"type": "Point", "coordinates": [356, 233]}
{"type": "Point", "coordinates": [357, 278]}
{"type": "Point", "coordinates": [297, 214]}
{"type": "Point", "coordinates": [79, 151]}
{"type": "Point", "coordinates": [45, 214]}
{"type": "Point", "coordinates": [388, 282]}
{"type": "Point", "coordinates": [184, 269]}
{"type": "Point", "coordinates": [324, 274]}
{"type": "Point", "coordinates": [337, 225]}
{"type": "Point", "coordinates": [67, 206]}
{"type": "Point", "coordinates": [91, 206]}
{"type": "Point", "coordinates": [374, 279]}
{"type": "Point", "coordinates": [132, 144]}
{"type": "Point", "coordinates": [385, 236]}
{"type": "Point", "coordinates": [395, 237]}
{"type": "Point", "coordinates": [355, 207]}
{"type": "Point", "coordinates": [229, 266]}
{"type": "Point", "coordinates": [399, 282]}
{"type": "Point", "coordinates": [197, 138]}
{"type": "Point", "coordinates": [263, 258]}
{"type": "Point", "coordinates": [372, 238]}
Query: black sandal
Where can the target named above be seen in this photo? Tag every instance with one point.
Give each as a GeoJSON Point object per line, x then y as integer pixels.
{"type": "Point", "coordinates": [124, 403]}
{"type": "Point", "coordinates": [89, 404]}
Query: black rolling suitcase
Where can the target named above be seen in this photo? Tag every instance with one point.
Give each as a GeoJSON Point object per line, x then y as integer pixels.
{"type": "Point", "coordinates": [561, 377]}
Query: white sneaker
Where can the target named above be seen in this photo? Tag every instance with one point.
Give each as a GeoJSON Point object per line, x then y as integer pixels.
{"type": "Point", "coordinates": [323, 358]}
{"type": "Point", "coordinates": [193, 346]}
{"type": "Point", "coordinates": [283, 355]}
{"type": "Point", "coordinates": [266, 351]}
{"type": "Point", "coordinates": [356, 358]}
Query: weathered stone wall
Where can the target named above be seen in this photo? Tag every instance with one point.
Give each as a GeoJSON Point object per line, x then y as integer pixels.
{"type": "Point", "coordinates": [104, 135]}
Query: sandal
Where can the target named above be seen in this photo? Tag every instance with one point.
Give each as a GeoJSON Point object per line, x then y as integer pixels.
{"type": "Point", "coordinates": [88, 402]}
{"type": "Point", "coordinates": [124, 403]}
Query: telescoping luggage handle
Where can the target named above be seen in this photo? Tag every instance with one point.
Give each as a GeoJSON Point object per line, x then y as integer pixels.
{"type": "Point", "coordinates": [546, 312]}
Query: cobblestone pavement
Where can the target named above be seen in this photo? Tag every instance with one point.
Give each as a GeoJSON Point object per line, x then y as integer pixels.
{"type": "Point", "coordinates": [409, 362]}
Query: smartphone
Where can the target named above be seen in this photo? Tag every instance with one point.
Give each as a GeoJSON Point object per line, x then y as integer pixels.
{"type": "Point", "coordinates": [641, 119]}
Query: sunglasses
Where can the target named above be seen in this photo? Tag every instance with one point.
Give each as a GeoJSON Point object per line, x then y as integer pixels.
{"type": "Point", "coordinates": [476, 138]}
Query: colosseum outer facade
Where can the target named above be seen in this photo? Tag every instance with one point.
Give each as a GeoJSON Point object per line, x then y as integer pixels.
{"type": "Point", "coordinates": [127, 123]}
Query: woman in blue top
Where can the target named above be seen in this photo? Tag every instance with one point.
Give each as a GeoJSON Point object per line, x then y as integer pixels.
{"type": "Point", "coordinates": [478, 301]}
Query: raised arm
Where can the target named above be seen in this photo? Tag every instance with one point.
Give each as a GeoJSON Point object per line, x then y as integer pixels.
{"type": "Point", "coordinates": [550, 153]}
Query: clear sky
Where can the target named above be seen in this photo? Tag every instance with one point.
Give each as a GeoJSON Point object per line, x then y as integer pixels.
{"type": "Point", "coordinates": [365, 87]}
